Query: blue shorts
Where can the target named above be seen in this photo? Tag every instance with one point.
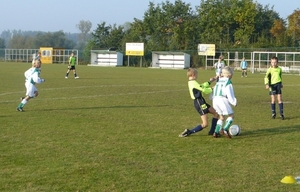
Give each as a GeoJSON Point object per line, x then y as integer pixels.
{"type": "Point", "coordinates": [201, 106]}
{"type": "Point", "coordinates": [275, 89]}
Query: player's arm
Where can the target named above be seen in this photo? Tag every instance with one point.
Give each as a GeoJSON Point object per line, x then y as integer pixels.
{"type": "Point", "coordinates": [230, 95]}
{"type": "Point", "coordinates": [35, 77]}
{"type": "Point", "coordinates": [267, 78]}
{"type": "Point", "coordinates": [204, 87]}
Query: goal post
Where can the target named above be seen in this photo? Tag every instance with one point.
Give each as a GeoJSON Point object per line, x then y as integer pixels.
{"type": "Point", "coordinates": [288, 61]}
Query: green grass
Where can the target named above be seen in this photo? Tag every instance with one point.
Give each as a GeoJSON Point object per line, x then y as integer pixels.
{"type": "Point", "coordinates": [116, 129]}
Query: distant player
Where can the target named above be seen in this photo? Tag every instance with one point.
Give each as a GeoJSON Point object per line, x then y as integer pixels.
{"type": "Point", "coordinates": [32, 76]}
{"type": "Point", "coordinates": [223, 98]}
{"type": "Point", "coordinates": [244, 65]}
{"type": "Point", "coordinates": [273, 82]}
{"type": "Point", "coordinates": [219, 66]}
{"type": "Point", "coordinates": [72, 61]}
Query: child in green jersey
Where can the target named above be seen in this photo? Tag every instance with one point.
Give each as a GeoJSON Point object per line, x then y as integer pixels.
{"type": "Point", "coordinates": [196, 90]}
{"type": "Point", "coordinates": [71, 66]}
{"type": "Point", "coordinates": [273, 82]}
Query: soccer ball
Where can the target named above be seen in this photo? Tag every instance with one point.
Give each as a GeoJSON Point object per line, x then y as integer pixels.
{"type": "Point", "coordinates": [234, 130]}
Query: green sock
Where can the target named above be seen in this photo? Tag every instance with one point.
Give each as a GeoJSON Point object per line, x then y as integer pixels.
{"type": "Point", "coordinates": [228, 123]}
{"type": "Point", "coordinates": [219, 126]}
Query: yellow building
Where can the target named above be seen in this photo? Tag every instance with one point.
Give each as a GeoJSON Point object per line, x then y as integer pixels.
{"type": "Point", "coordinates": [55, 55]}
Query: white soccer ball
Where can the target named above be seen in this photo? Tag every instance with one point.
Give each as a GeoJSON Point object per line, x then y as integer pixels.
{"type": "Point", "coordinates": [234, 130]}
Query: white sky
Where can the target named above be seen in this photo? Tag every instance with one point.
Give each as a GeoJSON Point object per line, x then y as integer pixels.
{"type": "Point", "coordinates": [55, 15]}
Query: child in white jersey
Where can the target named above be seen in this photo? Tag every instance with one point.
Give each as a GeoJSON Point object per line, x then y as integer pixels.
{"type": "Point", "coordinates": [31, 78]}
{"type": "Point", "coordinates": [223, 98]}
{"type": "Point", "coordinates": [219, 66]}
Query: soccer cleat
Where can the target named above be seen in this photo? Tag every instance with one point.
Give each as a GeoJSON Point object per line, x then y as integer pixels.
{"type": "Point", "coordinates": [282, 116]}
{"type": "Point", "coordinates": [66, 77]}
{"type": "Point", "coordinates": [76, 77]}
{"type": "Point", "coordinates": [216, 135]}
{"type": "Point", "coordinates": [20, 109]}
{"type": "Point", "coordinates": [227, 134]}
{"type": "Point", "coordinates": [210, 133]}
{"type": "Point", "coordinates": [273, 115]}
{"type": "Point", "coordinates": [185, 133]}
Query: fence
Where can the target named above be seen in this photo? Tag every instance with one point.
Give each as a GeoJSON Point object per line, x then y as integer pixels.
{"type": "Point", "coordinates": [258, 61]}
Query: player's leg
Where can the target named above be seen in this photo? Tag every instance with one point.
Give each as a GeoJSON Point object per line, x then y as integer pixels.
{"type": "Point", "coordinates": [273, 100]}
{"type": "Point", "coordinates": [213, 121]}
{"type": "Point", "coordinates": [202, 109]}
{"type": "Point", "coordinates": [67, 74]}
{"type": "Point", "coordinates": [75, 75]}
{"type": "Point", "coordinates": [31, 91]}
{"type": "Point", "coordinates": [218, 126]}
{"type": "Point", "coordinates": [228, 122]}
{"type": "Point", "coordinates": [280, 103]}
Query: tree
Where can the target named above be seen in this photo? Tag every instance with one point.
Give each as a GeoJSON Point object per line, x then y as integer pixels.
{"type": "Point", "coordinates": [169, 26]}
{"type": "Point", "coordinates": [278, 31]}
{"type": "Point", "coordinates": [57, 40]}
{"type": "Point", "coordinates": [265, 18]}
{"type": "Point", "coordinates": [84, 28]}
{"type": "Point", "coordinates": [223, 22]}
{"type": "Point", "coordinates": [2, 43]}
{"type": "Point", "coordinates": [294, 26]}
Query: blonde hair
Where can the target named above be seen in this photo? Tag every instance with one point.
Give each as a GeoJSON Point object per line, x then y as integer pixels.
{"type": "Point", "coordinates": [227, 72]}
{"type": "Point", "coordinates": [192, 72]}
{"type": "Point", "coordinates": [36, 64]}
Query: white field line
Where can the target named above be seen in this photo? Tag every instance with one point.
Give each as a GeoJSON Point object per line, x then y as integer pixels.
{"type": "Point", "coordinates": [120, 94]}
{"type": "Point", "coordinates": [85, 87]}
{"type": "Point", "coordinates": [104, 95]}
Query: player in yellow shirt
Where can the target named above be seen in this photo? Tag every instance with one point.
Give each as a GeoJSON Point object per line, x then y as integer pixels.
{"type": "Point", "coordinates": [273, 82]}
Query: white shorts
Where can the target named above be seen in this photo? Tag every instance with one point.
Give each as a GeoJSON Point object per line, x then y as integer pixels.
{"type": "Point", "coordinates": [30, 89]}
{"type": "Point", "coordinates": [222, 106]}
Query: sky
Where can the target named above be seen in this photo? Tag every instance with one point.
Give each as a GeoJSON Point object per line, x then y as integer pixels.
{"type": "Point", "coordinates": [56, 15]}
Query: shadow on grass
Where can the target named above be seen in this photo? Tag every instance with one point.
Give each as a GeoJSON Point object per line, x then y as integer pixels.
{"type": "Point", "coordinates": [104, 107]}
{"type": "Point", "coordinates": [271, 131]}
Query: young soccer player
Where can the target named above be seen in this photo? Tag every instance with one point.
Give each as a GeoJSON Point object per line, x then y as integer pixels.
{"type": "Point", "coordinates": [273, 82]}
{"type": "Point", "coordinates": [71, 66]}
{"type": "Point", "coordinates": [31, 78]}
{"type": "Point", "coordinates": [196, 90]}
{"type": "Point", "coordinates": [244, 65]}
{"type": "Point", "coordinates": [219, 66]}
{"type": "Point", "coordinates": [223, 98]}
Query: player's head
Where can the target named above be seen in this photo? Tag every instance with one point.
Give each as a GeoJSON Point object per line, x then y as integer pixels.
{"type": "Point", "coordinates": [192, 73]}
{"type": "Point", "coordinates": [72, 54]}
{"type": "Point", "coordinates": [37, 64]}
{"type": "Point", "coordinates": [274, 61]}
{"type": "Point", "coordinates": [227, 72]}
{"type": "Point", "coordinates": [221, 57]}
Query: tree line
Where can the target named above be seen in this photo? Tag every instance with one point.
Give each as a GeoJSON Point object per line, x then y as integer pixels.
{"type": "Point", "coordinates": [229, 24]}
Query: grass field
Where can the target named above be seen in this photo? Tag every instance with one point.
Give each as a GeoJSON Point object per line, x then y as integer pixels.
{"type": "Point", "coordinates": [116, 129]}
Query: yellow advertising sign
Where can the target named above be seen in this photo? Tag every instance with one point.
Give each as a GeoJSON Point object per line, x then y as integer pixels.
{"type": "Point", "coordinates": [207, 49]}
{"type": "Point", "coordinates": [136, 49]}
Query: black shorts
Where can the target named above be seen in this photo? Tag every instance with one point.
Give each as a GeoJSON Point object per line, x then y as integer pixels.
{"type": "Point", "coordinates": [275, 89]}
{"type": "Point", "coordinates": [201, 106]}
{"type": "Point", "coordinates": [72, 67]}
